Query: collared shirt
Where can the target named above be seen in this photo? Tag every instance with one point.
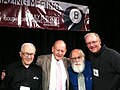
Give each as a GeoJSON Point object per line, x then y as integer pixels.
{"type": "Point", "coordinates": [87, 75]}
{"type": "Point", "coordinates": [17, 75]}
{"type": "Point", "coordinates": [52, 85]}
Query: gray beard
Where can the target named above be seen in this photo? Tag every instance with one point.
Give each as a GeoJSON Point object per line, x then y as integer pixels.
{"type": "Point", "coordinates": [78, 68]}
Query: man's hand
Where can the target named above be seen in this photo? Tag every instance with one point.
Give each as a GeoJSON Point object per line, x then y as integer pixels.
{"type": "Point", "coordinates": [3, 75]}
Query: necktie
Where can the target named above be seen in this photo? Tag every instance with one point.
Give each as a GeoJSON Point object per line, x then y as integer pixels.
{"type": "Point", "coordinates": [81, 82]}
{"type": "Point", "coordinates": [58, 77]}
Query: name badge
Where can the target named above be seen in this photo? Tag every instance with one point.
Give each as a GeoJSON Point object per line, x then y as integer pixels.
{"type": "Point", "coordinates": [24, 88]}
{"type": "Point", "coordinates": [96, 72]}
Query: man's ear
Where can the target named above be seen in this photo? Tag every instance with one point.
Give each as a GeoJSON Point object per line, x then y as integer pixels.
{"type": "Point", "coordinates": [52, 48]}
{"type": "Point", "coordinates": [20, 54]}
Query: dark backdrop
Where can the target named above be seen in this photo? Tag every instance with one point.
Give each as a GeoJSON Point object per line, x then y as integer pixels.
{"type": "Point", "coordinates": [103, 19]}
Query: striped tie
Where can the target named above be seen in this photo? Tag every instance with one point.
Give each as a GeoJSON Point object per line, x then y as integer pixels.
{"type": "Point", "coordinates": [58, 77]}
{"type": "Point", "coordinates": [81, 82]}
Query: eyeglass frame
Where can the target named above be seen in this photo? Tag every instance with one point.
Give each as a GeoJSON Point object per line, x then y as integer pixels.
{"type": "Point", "coordinates": [26, 54]}
{"type": "Point", "coordinates": [92, 42]}
{"type": "Point", "coordinates": [79, 57]}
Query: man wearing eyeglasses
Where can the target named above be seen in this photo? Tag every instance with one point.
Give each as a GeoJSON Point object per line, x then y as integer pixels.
{"type": "Point", "coordinates": [24, 74]}
{"type": "Point", "coordinates": [80, 71]}
{"type": "Point", "coordinates": [105, 63]}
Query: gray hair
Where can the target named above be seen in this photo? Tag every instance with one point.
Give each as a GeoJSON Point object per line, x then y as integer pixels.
{"type": "Point", "coordinates": [92, 33]}
{"type": "Point", "coordinates": [27, 44]}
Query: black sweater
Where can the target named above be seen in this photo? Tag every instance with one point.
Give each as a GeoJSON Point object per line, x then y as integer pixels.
{"type": "Point", "coordinates": [17, 75]}
{"type": "Point", "coordinates": [106, 64]}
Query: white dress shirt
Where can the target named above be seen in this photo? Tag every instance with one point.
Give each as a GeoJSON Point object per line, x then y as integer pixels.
{"type": "Point", "coordinates": [52, 85]}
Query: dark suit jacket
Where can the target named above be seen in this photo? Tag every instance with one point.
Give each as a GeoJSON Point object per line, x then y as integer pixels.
{"type": "Point", "coordinates": [45, 62]}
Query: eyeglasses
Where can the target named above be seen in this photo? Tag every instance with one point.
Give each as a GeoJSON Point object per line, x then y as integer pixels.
{"type": "Point", "coordinates": [79, 57]}
{"type": "Point", "coordinates": [27, 54]}
{"type": "Point", "coordinates": [92, 42]}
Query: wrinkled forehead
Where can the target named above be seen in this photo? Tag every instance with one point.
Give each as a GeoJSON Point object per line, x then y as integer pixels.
{"type": "Point", "coordinates": [76, 53]}
{"type": "Point", "coordinates": [28, 48]}
{"type": "Point", "coordinates": [60, 45]}
{"type": "Point", "coordinates": [92, 37]}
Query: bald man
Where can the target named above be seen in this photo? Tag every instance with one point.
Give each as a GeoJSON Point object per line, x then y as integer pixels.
{"type": "Point", "coordinates": [80, 71]}
{"type": "Point", "coordinates": [49, 67]}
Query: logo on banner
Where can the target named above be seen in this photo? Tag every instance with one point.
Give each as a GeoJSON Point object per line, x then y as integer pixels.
{"type": "Point", "coordinates": [74, 18]}
{"type": "Point", "coordinates": [75, 15]}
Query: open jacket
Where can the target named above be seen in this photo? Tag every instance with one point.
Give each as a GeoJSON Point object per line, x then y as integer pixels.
{"type": "Point", "coordinates": [44, 61]}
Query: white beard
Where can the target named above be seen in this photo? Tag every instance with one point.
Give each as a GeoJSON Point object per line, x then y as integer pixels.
{"type": "Point", "coordinates": [78, 68]}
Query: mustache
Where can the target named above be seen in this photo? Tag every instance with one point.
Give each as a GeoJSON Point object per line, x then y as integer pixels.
{"type": "Point", "coordinates": [78, 67]}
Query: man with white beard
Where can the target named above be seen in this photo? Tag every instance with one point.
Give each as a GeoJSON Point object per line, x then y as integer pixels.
{"type": "Point", "coordinates": [80, 71]}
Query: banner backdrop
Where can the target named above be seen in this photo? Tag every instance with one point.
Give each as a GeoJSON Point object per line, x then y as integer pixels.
{"type": "Point", "coordinates": [44, 14]}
